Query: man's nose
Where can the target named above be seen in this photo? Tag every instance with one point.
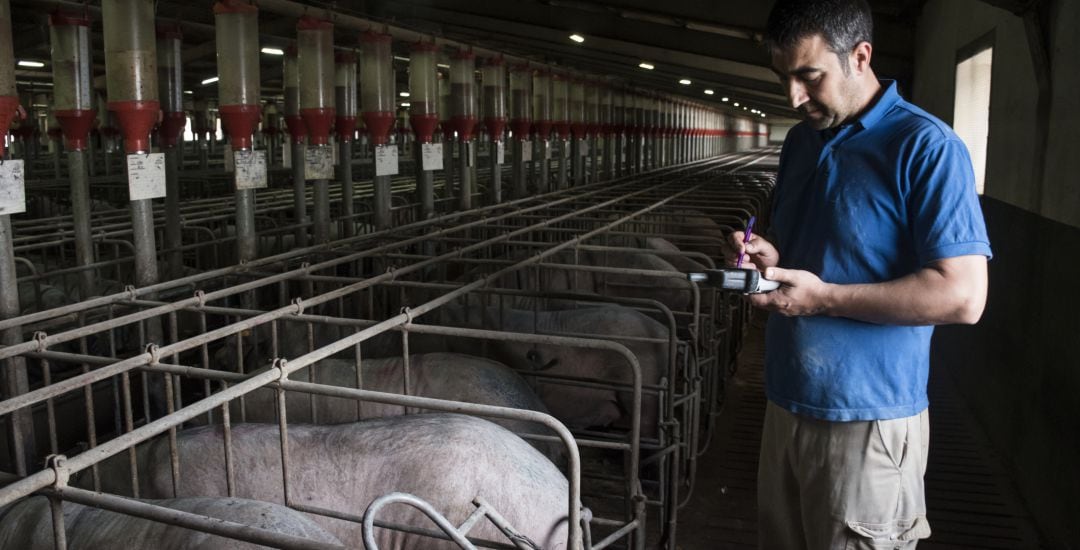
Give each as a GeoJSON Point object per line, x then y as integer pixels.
{"type": "Point", "coordinates": [796, 93]}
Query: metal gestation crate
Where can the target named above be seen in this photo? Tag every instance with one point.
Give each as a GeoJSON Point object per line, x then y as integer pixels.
{"type": "Point", "coordinates": [137, 363]}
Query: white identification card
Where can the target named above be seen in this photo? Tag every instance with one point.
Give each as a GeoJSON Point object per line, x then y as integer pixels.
{"type": "Point", "coordinates": [432, 156]}
{"type": "Point", "coordinates": [319, 163]}
{"type": "Point", "coordinates": [250, 169]}
{"type": "Point", "coordinates": [286, 155]}
{"type": "Point", "coordinates": [526, 151]}
{"type": "Point", "coordinates": [146, 176]}
{"type": "Point", "coordinates": [386, 160]}
{"type": "Point", "coordinates": [230, 160]}
{"type": "Point", "coordinates": [12, 187]}
{"type": "Point", "coordinates": [500, 152]}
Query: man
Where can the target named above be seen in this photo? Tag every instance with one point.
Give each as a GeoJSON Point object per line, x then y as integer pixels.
{"type": "Point", "coordinates": [876, 235]}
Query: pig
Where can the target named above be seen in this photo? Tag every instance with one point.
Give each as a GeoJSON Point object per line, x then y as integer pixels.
{"type": "Point", "coordinates": [674, 292]}
{"type": "Point", "coordinates": [446, 459]}
{"type": "Point", "coordinates": [450, 376]}
{"type": "Point", "coordinates": [577, 407]}
{"type": "Point", "coordinates": [27, 525]}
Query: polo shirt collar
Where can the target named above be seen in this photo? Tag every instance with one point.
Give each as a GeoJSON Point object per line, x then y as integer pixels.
{"type": "Point", "coordinates": [889, 98]}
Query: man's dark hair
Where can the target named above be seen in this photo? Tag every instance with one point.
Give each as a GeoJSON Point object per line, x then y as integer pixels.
{"type": "Point", "coordinates": [842, 23]}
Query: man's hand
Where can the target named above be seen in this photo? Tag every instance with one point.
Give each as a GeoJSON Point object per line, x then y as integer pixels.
{"type": "Point", "coordinates": [800, 293]}
{"type": "Point", "coordinates": [759, 252]}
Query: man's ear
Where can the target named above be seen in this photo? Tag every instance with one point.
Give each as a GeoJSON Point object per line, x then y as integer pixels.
{"type": "Point", "coordinates": [860, 57]}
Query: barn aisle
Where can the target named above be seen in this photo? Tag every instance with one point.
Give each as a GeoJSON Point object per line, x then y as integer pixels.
{"type": "Point", "coordinates": [972, 504]}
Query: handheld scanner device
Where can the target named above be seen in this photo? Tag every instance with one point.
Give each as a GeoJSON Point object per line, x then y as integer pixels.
{"type": "Point", "coordinates": [747, 281]}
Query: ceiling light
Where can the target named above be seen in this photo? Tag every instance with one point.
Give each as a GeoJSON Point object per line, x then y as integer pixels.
{"type": "Point", "coordinates": [188, 92]}
{"type": "Point", "coordinates": [403, 94]}
{"type": "Point", "coordinates": [210, 80]}
{"type": "Point", "coordinates": [272, 51]}
{"type": "Point", "coordinates": [399, 58]}
{"type": "Point", "coordinates": [709, 92]}
{"type": "Point", "coordinates": [443, 65]}
{"type": "Point", "coordinates": [724, 99]}
{"type": "Point", "coordinates": [31, 64]}
{"type": "Point", "coordinates": [762, 115]}
{"type": "Point", "coordinates": [406, 104]}
{"type": "Point", "coordinates": [736, 103]}
{"type": "Point", "coordinates": [577, 38]}
{"type": "Point", "coordinates": [685, 82]}
{"type": "Point", "coordinates": [744, 107]}
{"type": "Point", "coordinates": [646, 66]}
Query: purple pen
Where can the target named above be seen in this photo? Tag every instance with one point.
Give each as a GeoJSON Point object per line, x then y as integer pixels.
{"type": "Point", "coordinates": [746, 239]}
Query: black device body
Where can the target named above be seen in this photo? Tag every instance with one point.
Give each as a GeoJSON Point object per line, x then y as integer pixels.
{"type": "Point", "coordinates": [735, 279]}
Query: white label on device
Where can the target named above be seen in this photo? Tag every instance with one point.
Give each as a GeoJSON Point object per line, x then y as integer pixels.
{"type": "Point", "coordinates": [146, 176]}
{"type": "Point", "coordinates": [319, 163]}
{"type": "Point", "coordinates": [386, 160]}
{"type": "Point", "coordinates": [250, 169]}
{"type": "Point", "coordinates": [12, 187]}
{"type": "Point", "coordinates": [432, 156]}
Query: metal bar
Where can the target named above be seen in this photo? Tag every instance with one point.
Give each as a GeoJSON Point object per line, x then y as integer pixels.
{"type": "Point", "coordinates": [466, 159]}
{"type": "Point", "coordinates": [543, 161]}
{"type": "Point", "coordinates": [322, 211]}
{"type": "Point", "coordinates": [173, 232]}
{"type": "Point", "coordinates": [14, 380]}
{"type": "Point", "coordinates": [495, 193]}
{"type": "Point", "coordinates": [246, 239]}
{"type": "Point", "coordinates": [381, 206]}
{"type": "Point", "coordinates": [423, 506]}
{"type": "Point", "coordinates": [345, 175]}
{"type": "Point", "coordinates": [80, 210]}
{"type": "Point", "coordinates": [519, 169]}
{"type": "Point", "coordinates": [425, 183]}
{"type": "Point", "coordinates": [299, 192]}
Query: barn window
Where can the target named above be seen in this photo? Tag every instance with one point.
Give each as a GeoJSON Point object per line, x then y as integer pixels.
{"type": "Point", "coordinates": [971, 110]}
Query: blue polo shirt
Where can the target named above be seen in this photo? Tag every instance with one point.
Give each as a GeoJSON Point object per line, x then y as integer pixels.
{"type": "Point", "coordinates": [870, 202]}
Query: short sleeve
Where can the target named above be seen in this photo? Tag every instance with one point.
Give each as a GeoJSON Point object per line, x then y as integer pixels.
{"type": "Point", "coordinates": [943, 205]}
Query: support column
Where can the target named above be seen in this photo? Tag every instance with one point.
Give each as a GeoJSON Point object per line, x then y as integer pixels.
{"type": "Point", "coordinates": [423, 117]}
{"type": "Point", "coordinates": [80, 208]}
{"type": "Point", "coordinates": [463, 118]}
{"type": "Point", "coordinates": [170, 68]}
{"type": "Point", "coordinates": [520, 170]}
{"type": "Point", "coordinates": [377, 109]}
{"type": "Point", "coordinates": [466, 159]}
{"type": "Point", "coordinates": [345, 176]}
{"type": "Point", "coordinates": [315, 61]}
{"type": "Point", "coordinates": [13, 377]}
{"type": "Point", "coordinates": [73, 107]}
{"type": "Point", "coordinates": [294, 123]}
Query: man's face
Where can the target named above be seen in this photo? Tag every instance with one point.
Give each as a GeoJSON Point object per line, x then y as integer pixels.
{"type": "Point", "coordinates": [816, 83]}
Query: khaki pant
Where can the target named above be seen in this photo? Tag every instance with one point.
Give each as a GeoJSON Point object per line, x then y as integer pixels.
{"type": "Point", "coordinates": [841, 485]}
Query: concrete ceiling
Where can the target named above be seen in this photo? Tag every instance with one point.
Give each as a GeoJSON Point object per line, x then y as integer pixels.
{"type": "Point", "coordinates": [715, 44]}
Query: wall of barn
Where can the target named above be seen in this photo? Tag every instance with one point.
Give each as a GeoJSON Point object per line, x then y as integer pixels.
{"type": "Point", "coordinates": [778, 132]}
{"type": "Point", "coordinates": [1018, 366]}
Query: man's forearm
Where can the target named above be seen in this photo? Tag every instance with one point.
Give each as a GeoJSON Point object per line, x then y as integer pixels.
{"type": "Point", "coordinates": [951, 293]}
